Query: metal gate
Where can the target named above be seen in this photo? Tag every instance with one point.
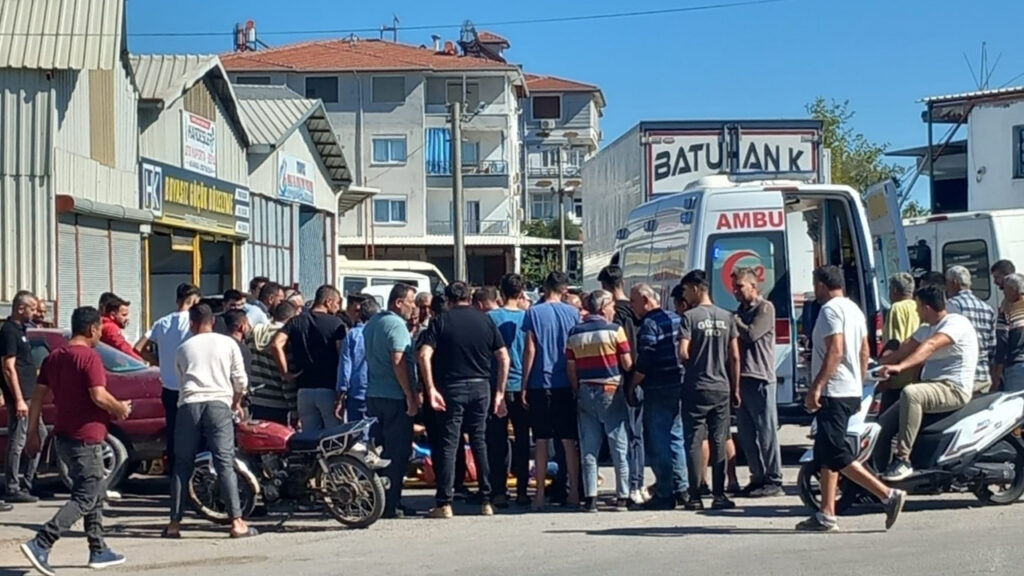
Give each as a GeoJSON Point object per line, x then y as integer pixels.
{"type": "Point", "coordinates": [312, 251]}
{"type": "Point", "coordinates": [269, 251]}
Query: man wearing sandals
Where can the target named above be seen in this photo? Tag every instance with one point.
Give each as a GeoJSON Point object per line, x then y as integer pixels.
{"type": "Point", "coordinates": [212, 377]}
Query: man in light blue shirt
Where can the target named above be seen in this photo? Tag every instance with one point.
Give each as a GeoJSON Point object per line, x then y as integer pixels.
{"type": "Point", "coordinates": [259, 312]}
{"type": "Point", "coordinates": [352, 369]}
{"type": "Point", "coordinates": [167, 334]}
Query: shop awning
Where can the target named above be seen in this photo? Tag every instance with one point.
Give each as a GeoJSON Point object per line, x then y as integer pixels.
{"type": "Point", "coordinates": [354, 196]}
{"type": "Point", "coordinates": [103, 210]}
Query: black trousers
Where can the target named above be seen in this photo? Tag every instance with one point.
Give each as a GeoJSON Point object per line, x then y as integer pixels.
{"type": "Point", "coordinates": [706, 416]}
{"type": "Point", "coordinates": [498, 446]}
{"type": "Point", "coordinates": [467, 404]}
{"type": "Point", "coordinates": [434, 423]}
{"type": "Point", "coordinates": [88, 489]}
{"type": "Point", "coordinates": [169, 398]}
{"type": "Point", "coordinates": [393, 432]}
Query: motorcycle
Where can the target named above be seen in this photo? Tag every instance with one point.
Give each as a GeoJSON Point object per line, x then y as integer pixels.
{"type": "Point", "coordinates": [977, 448]}
{"type": "Point", "coordinates": [274, 463]}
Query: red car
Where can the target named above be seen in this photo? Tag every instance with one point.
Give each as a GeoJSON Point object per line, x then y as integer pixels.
{"type": "Point", "coordinates": [138, 439]}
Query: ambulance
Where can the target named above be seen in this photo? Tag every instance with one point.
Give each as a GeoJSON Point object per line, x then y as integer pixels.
{"type": "Point", "coordinates": [782, 229]}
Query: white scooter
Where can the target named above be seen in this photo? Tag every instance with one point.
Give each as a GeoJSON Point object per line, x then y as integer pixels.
{"type": "Point", "coordinates": [977, 448]}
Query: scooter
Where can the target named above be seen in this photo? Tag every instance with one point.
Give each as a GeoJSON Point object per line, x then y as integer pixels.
{"type": "Point", "coordinates": [332, 467]}
{"type": "Point", "coordinates": [977, 448]}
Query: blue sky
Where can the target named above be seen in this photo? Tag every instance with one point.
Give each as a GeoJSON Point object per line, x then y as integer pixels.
{"type": "Point", "coordinates": [763, 61]}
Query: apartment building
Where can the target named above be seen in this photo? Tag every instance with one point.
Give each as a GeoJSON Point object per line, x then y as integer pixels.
{"type": "Point", "coordinates": [560, 118]}
{"type": "Point", "coordinates": [388, 103]}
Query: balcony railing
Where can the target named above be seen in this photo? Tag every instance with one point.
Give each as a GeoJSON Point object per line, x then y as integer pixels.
{"type": "Point", "coordinates": [475, 227]}
{"type": "Point", "coordinates": [499, 167]}
{"type": "Point", "coordinates": [552, 171]}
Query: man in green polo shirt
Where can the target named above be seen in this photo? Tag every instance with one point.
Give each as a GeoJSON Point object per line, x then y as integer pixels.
{"type": "Point", "coordinates": [391, 395]}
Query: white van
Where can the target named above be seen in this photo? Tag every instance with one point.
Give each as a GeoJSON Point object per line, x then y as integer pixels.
{"type": "Point", "coordinates": [782, 229]}
{"type": "Point", "coordinates": [974, 240]}
{"type": "Point", "coordinates": [354, 275]}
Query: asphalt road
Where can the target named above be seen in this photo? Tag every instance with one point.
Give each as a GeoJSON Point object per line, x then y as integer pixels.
{"type": "Point", "coordinates": [949, 534]}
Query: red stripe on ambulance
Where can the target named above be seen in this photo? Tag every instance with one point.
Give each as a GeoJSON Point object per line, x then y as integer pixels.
{"type": "Point", "coordinates": [751, 220]}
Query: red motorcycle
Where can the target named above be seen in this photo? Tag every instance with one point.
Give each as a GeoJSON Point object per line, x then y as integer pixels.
{"type": "Point", "coordinates": [333, 467]}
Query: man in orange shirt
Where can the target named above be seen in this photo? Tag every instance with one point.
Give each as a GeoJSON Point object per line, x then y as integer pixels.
{"type": "Point", "coordinates": [115, 318]}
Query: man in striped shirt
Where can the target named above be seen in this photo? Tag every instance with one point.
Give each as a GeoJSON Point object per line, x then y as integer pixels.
{"type": "Point", "coordinates": [963, 301]}
{"type": "Point", "coordinates": [270, 396]}
{"type": "Point", "coordinates": [597, 354]}
{"type": "Point", "coordinates": [1008, 367]}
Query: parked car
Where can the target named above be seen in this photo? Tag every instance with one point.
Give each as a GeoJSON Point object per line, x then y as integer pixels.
{"type": "Point", "coordinates": [138, 439]}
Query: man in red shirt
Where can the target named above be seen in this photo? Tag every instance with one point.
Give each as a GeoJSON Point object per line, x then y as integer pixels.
{"type": "Point", "coordinates": [78, 380]}
{"type": "Point", "coordinates": [115, 318]}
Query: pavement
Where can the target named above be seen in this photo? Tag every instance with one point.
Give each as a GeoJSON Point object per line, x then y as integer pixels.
{"type": "Point", "coordinates": [948, 534]}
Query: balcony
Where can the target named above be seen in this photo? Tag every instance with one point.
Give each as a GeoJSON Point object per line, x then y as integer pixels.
{"type": "Point", "coordinates": [485, 174]}
{"type": "Point", "coordinates": [552, 171]}
{"type": "Point", "coordinates": [472, 227]}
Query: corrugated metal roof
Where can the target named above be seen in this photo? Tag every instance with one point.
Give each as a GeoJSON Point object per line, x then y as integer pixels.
{"type": "Point", "coordinates": [1009, 91]}
{"type": "Point", "coordinates": [272, 114]}
{"type": "Point", "coordinates": [61, 34]}
{"type": "Point", "coordinates": [164, 78]}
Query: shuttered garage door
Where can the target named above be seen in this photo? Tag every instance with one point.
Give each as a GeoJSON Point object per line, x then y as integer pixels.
{"type": "Point", "coordinates": [97, 256]}
{"type": "Point", "coordinates": [312, 252]}
{"type": "Point", "coordinates": [269, 249]}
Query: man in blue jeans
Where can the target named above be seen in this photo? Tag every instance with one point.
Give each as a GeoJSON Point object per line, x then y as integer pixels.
{"type": "Point", "coordinates": [660, 374]}
{"type": "Point", "coordinates": [352, 367]}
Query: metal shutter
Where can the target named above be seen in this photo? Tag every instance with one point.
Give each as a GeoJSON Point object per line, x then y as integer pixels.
{"type": "Point", "coordinates": [126, 249]}
{"type": "Point", "coordinates": [312, 254]}
{"type": "Point", "coordinates": [269, 250]}
{"type": "Point", "coordinates": [67, 270]}
{"type": "Point", "coordinates": [93, 259]}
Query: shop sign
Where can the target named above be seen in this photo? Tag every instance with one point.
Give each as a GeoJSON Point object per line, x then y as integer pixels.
{"type": "Point", "coordinates": [185, 199]}
{"type": "Point", "coordinates": [199, 144]}
{"type": "Point", "coordinates": [295, 179]}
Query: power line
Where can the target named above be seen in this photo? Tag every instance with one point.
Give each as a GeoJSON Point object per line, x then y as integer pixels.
{"type": "Point", "coordinates": [421, 27]}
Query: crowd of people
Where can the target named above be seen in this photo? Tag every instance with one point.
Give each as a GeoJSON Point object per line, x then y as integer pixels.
{"type": "Point", "coordinates": [573, 371]}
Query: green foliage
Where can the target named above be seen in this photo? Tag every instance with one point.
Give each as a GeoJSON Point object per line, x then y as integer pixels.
{"type": "Point", "coordinates": [539, 261]}
{"type": "Point", "coordinates": [913, 209]}
{"type": "Point", "coordinates": [542, 229]}
{"type": "Point", "coordinates": [856, 161]}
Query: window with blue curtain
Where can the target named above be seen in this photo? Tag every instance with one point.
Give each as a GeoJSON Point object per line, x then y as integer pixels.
{"type": "Point", "coordinates": [439, 151]}
{"type": "Point", "coordinates": [389, 150]}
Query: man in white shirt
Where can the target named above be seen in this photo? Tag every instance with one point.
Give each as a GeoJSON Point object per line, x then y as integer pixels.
{"type": "Point", "coordinates": [212, 380]}
{"type": "Point", "coordinates": [840, 358]}
{"type": "Point", "coordinates": [167, 334]}
{"type": "Point", "coordinates": [948, 347]}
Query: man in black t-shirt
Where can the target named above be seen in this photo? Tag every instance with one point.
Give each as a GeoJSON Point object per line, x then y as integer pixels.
{"type": "Point", "coordinates": [455, 361]}
{"type": "Point", "coordinates": [19, 378]}
{"type": "Point", "coordinates": [314, 338]}
{"type": "Point", "coordinates": [709, 349]}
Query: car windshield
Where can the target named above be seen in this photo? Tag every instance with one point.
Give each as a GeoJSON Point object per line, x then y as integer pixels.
{"type": "Point", "coordinates": [118, 362]}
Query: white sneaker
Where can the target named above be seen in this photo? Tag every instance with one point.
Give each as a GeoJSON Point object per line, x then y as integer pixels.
{"type": "Point", "coordinates": [113, 495]}
{"type": "Point", "coordinates": [637, 497]}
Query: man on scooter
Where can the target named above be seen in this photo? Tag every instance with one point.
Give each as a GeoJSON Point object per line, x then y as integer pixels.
{"type": "Point", "coordinates": [947, 345]}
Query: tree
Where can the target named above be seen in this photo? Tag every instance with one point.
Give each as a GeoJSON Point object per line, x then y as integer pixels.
{"type": "Point", "coordinates": [856, 161]}
{"type": "Point", "coordinates": [539, 261]}
{"type": "Point", "coordinates": [914, 209]}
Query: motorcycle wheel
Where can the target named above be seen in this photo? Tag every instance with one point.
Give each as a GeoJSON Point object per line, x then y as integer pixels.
{"type": "Point", "coordinates": [204, 494]}
{"type": "Point", "coordinates": [352, 492]}
{"type": "Point", "coordinates": [1015, 490]}
{"type": "Point", "coordinates": [809, 483]}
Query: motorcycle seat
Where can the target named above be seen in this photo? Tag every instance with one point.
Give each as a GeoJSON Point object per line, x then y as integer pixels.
{"type": "Point", "coordinates": [941, 421]}
{"type": "Point", "coordinates": [310, 441]}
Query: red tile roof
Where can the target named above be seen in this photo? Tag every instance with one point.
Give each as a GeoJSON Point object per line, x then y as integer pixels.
{"type": "Point", "coordinates": [361, 54]}
{"type": "Point", "coordinates": [491, 38]}
{"type": "Point", "coordinates": [555, 84]}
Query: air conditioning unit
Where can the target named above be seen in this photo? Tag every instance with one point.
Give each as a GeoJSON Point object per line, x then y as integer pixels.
{"type": "Point", "coordinates": [547, 124]}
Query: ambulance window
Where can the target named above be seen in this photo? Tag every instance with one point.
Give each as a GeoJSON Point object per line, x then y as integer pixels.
{"type": "Point", "coordinates": [973, 255]}
{"type": "Point", "coordinates": [765, 252]}
{"type": "Point", "coordinates": [635, 262]}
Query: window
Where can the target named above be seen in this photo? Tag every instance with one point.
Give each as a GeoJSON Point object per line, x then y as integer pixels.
{"type": "Point", "coordinates": [256, 80]}
{"type": "Point", "coordinates": [764, 252]}
{"type": "Point", "coordinates": [1018, 151]}
{"type": "Point", "coordinates": [577, 207]}
{"type": "Point", "coordinates": [389, 150]}
{"type": "Point", "coordinates": [352, 284]}
{"type": "Point", "coordinates": [470, 100]}
{"type": "Point", "coordinates": [389, 211]}
{"type": "Point", "coordinates": [323, 87]}
{"type": "Point", "coordinates": [973, 255]}
{"type": "Point", "coordinates": [470, 154]}
{"type": "Point", "coordinates": [547, 107]}
{"type": "Point", "coordinates": [542, 206]}
{"type": "Point", "coordinates": [118, 362]}
{"type": "Point", "coordinates": [388, 281]}
{"type": "Point", "coordinates": [388, 90]}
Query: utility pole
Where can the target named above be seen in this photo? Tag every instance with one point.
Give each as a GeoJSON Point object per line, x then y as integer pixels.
{"type": "Point", "coordinates": [561, 215]}
{"type": "Point", "coordinates": [458, 204]}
